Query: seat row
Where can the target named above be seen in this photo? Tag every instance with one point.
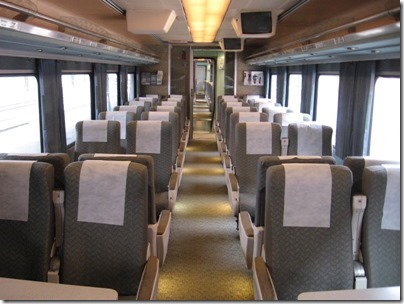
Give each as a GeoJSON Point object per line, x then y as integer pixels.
{"type": "Point", "coordinates": [308, 234]}
{"type": "Point", "coordinates": [103, 236]}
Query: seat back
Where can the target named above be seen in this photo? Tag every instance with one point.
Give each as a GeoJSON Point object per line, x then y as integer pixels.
{"type": "Point", "coordinates": [357, 165]}
{"type": "Point", "coordinates": [307, 236]}
{"type": "Point", "coordinates": [284, 119]}
{"type": "Point", "coordinates": [271, 111]}
{"type": "Point", "coordinates": [154, 138]}
{"type": "Point", "coordinates": [264, 162]}
{"type": "Point", "coordinates": [98, 136]}
{"type": "Point", "coordinates": [230, 110]}
{"type": "Point", "coordinates": [381, 232]}
{"type": "Point", "coordinates": [237, 117]}
{"type": "Point", "coordinates": [123, 117]}
{"type": "Point", "coordinates": [309, 139]}
{"type": "Point", "coordinates": [173, 118]}
{"type": "Point", "coordinates": [145, 103]}
{"type": "Point", "coordinates": [105, 242]}
{"type": "Point", "coordinates": [253, 140]}
{"type": "Point", "coordinates": [27, 227]}
{"type": "Point", "coordinates": [145, 160]}
{"type": "Point", "coordinates": [175, 109]}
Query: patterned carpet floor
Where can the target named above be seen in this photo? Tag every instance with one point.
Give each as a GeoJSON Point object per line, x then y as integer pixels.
{"type": "Point", "coordinates": [204, 260]}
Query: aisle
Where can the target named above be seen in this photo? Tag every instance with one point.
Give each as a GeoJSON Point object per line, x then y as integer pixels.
{"type": "Point", "coordinates": [204, 260]}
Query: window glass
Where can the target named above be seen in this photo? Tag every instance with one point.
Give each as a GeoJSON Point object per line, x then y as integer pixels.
{"type": "Point", "coordinates": [327, 102]}
{"type": "Point", "coordinates": [77, 102]}
{"type": "Point", "coordinates": [295, 92]}
{"type": "Point", "coordinates": [385, 125]}
{"type": "Point", "coordinates": [131, 86]}
{"type": "Point", "coordinates": [112, 91]}
{"type": "Point", "coordinates": [274, 80]}
{"type": "Point", "coordinates": [19, 115]}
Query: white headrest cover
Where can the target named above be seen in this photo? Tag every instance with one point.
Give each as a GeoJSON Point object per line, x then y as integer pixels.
{"type": "Point", "coordinates": [95, 131]}
{"type": "Point", "coordinates": [118, 116]}
{"type": "Point", "coordinates": [259, 138]}
{"type": "Point", "coordinates": [102, 192]}
{"type": "Point", "coordinates": [164, 116]}
{"type": "Point", "coordinates": [309, 139]}
{"type": "Point", "coordinates": [166, 108]}
{"type": "Point", "coordinates": [391, 207]}
{"type": "Point", "coordinates": [136, 103]}
{"type": "Point", "coordinates": [14, 189]}
{"type": "Point", "coordinates": [169, 103]}
{"type": "Point", "coordinates": [240, 109]}
{"type": "Point", "coordinates": [249, 117]}
{"type": "Point", "coordinates": [148, 136]}
{"type": "Point", "coordinates": [308, 195]}
{"type": "Point", "coordinates": [128, 108]}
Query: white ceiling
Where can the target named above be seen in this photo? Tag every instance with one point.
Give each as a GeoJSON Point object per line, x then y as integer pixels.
{"type": "Point", "coordinates": [179, 30]}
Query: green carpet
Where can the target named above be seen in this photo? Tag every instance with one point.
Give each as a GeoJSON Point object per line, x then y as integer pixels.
{"type": "Point", "coordinates": [204, 260]}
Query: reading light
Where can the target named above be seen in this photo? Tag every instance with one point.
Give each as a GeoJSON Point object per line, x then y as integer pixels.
{"type": "Point", "coordinates": [204, 18]}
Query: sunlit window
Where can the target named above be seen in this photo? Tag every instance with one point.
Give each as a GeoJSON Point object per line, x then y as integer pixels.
{"type": "Point", "coordinates": [274, 80]}
{"type": "Point", "coordinates": [385, 123]}
{"type": "Point", "coordinates": [131, 86]}
{"type": "Point", "coordinates": [327, 102]}
{"type": "Point", "coordinates": [19, 115]}
{"type": "Point", "coordinates": [112, 91]}
{"type": "Point", "coordinates": [77, 102]}
{"type": "Point", "coordinates": [295, 92]}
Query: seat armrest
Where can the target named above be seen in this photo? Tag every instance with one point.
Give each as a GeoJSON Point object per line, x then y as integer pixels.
{"type": "Point", "coordinates": [54, 268]}
{"type": "Point", "coordinates": [258, 241]}
{"type": "Point", "coordinates": [173, 189]}
{"type": "Point", "coordinates": [58, 197]}
{"type": "Point", "coordinates": [152, 237]}
{"type": "Point", "coordinates": [361, 281]}
{"type": "Point", "coordinates": [263, 286]}
{"type": "Point", "coordinates": [149, 282]}
{"type": "Point", "coordinates": [164, 221]}
{"type": "Point", "coordinates": [234, 194]}
{"type": "Point", "coordinates": [227, 162]}
{"type": "Point", "coordinates": [358, 208]}
{"type": "Point", "coordinates": [163, 235]}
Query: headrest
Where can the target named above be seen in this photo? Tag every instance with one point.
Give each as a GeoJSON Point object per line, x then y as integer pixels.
{"type": "Point", "coordinates": [102, 192]}
{"type": "Point", "coordinates": [286, 157]}
{"type": "Point", "coordinates": [164, 116]}
{"type": "Point", "coordinates": [136, 103]}
{"type": "Point", "coordinates": [95, 130]}
{"type": "Point", "coordinates": [169, 103]}
{"type": "Point", "coordinates": [258, 138]}
{"type": "Point", "coordinates": [272, 111]}
{"type": "Point", "coordinates": [391, 207]}
{"type": "Point", "coordinates": [166, 108]}
{"type": "Point", "coordinates": [249, 117]}
{"type": "Point", "coordinates": [113, 155]}
{"type": "Point", "coordinates": [371, 161]}
{"type": "Point", "coordinates": [28, 154]}
{"type": "Point", "coordinates": [128, 108]}
{"type": "Point", "coordinates": [240, 109]}
{"type": "Point", "coordinates": [148, 136]}
{"type": "Point", "coordinates": [231, 104]}
{"type": "Point", "coordinates": [309, 139]}
{"type": "Point", "coordinates": [288, 118]}
{"type": "Point", "coordinates": [308, 195]}
{"type": "Point", "coordinates": [14, 189]}
{"type": "Point", "coordinates": [118, 116]}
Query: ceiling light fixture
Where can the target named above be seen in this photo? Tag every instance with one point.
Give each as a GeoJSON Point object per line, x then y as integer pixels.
{"type": "Point", "coordinates": [204, 18]}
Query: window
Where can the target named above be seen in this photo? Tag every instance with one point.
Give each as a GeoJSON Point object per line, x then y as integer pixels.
{"type": "Point", "coordinates": [131, 86]}
{"type": "Point", "coordinates": [77, 102]}
{"type": "Point", "coordinates": [112, 91]}
{"type": "Point", "coordinates": [385, 124]}
{"type": "Point", "coordinates": [274, 80]}
{"type": "Point", "coordinates": [327, 102]}
{"type": "Point", "coordinates": [19, 115]}
{"type": "Point", "coordinates": [295, 92]}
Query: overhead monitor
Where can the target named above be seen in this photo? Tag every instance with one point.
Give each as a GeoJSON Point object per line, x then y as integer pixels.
{"type": "Point", "coordinates": [255, 24]}
{"type": "Point", "coordinates": [232, 44]}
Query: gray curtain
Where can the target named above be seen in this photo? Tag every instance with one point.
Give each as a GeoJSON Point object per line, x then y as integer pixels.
{"type": "Point", "coordinates": [100, 92]}
{"type": "Point", "coordinates": [123, 85]}
{"type": "Point", "coordinates": [281, 85]}
{"type": "Point", "coordinates": [51, 100]}
{"type": "Point", "coordinates": [355, 99]}
{"type": "Point", "coordinates": [309, 77]}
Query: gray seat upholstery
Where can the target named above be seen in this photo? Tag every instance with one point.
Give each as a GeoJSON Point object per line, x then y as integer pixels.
{"type": "Point", "coordinates": [159, 223]}
{"type": "Point", "coordinates": [154, 138]}
{"type": "Point", "coordinates": [98, 136]}
{"type": "Point", "coordinates": [146, 104]}
{"type": "Point", "coordinates": [251, 234]}
{"type": "Point", "coordinates": [105, 243]}
{"type": "Point", "coordinates": [307, 232]}
{"type": "Point", "coordinates": [253, 139]}
{"type": "Point", "coordinates": [59, 161]}
{"type": "Point", "coordinates": [381, 235]}
{"type": "Point", "coordinates": [26, 219]}
{"type": "Point", "coordinates": [123, 117]}
{"type": "Point", "coordinates": [309, 139]}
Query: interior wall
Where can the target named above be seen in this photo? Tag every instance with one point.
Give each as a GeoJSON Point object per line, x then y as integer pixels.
{"type": "Point", "coordinates": [242, 89]}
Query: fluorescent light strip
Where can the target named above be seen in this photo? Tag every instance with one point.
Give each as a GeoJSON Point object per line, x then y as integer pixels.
{"type": "Point", "coordinates": [204, 18]}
